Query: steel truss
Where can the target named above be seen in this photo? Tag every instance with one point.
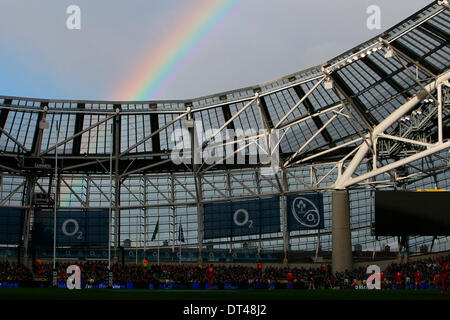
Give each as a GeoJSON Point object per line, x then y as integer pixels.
{"type": "Point", "coordinates": [366, 158]}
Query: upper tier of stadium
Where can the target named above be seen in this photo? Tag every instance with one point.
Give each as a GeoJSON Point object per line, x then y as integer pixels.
{"type": "Point", "coordinates": [323, 113]}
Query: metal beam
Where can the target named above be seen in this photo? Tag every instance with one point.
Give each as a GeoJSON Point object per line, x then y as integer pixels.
{"type": "Point", "coordinates": [406, 140]}
{"type": "Point", "coordinates": [156, 141]}
{"type": "Point", "coordinates": [444, 36]}
{"type": "Point", "coordinates": [437, 148]}
{"type": "Point", "coordinates": [302, 98]}
{"type": "Point", "coordinates": [265, 112]}
{"type": "Point", "coordinates": [74, 193]}
{"type": "Point", "coordinates": [154, 133]}
{"type": "Point", "coordinates": [79, 121]}
{"type": "Point", "coordinates": [415, 58]}
{"type": "Point", "coordinates": [319, 131]}
{"type": "Point", "coordinates": [306, 117]}
{"type": "Point", "coordinates": [345, 144]}
{"type": "Point", "coordinates": [21, 146]}
{"type": "Point", "coordinates": [38, 132]}
{"type": "Point", "coordinates": [3, 117]}
{"type": "Point", "coordinates": [116, 127]}
{"type": "Point", "coordinates": [76, 135]}
{"type": "Point", "coordinates": [317, 121]}
{"type": "Point", "coordinates": [230, 120]}
{"type": "Point", "coordinates": [353, 99]}
{"type": "Point", "coordinates": [342, 181]}
{"type": "Point", "coordinates": [385, 77]}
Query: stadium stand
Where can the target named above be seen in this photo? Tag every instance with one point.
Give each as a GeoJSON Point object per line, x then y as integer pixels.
{"type": "Point", "coordinates": [433, 275]}
{"type": "Point", "coordinates": [374, 118]}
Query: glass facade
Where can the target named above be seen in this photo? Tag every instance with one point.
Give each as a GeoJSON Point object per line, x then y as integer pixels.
{"type": "Point", "coordinates": [118, 155]}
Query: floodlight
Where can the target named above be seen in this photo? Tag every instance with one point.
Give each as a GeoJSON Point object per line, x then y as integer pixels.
{"type": "Point", "coordinates": [43, 124]}
{"type": "Point", "coordinates": [189, 123]}
{"type": "Point", "coordinates": [389, 53]}
{"type": "Point", "coordinates": [328, 84]}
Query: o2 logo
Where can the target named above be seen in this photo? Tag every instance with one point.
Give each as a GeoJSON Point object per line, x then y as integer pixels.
{"type": "Point", "coordinates": [305, 212]}
{"type": "Point", "coordinates": [240, 218]}
{"type": "Point", "coordinates": [71, 228]}
{"type": "Point", "coordinates": [74, 279]}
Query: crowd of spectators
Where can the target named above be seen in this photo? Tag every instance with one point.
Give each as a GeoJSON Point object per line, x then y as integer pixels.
{"type": "Point", "coordinates": [14, 272]}
{"type": "Point", "coordinates": [420, 274]}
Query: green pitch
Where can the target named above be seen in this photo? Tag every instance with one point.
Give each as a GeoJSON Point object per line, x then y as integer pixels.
{"type": "Point", "coordinates": [138, 294]}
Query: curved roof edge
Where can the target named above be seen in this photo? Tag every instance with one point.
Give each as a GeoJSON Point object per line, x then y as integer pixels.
{"type": "Point", "coordinates": [292, 79]}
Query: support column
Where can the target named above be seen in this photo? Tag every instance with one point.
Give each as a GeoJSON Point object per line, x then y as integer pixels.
{"type": "Point", "coordinates": [198, 180]}
{"type": "Point", "coordinates": [116, 151]}
{"type": "Point", "coordinates": [195, 153]}
{"type": "Point", "coordinates": [230, 195]}
{"type": "Point", "coordinates": [28, 201]}
{"type": "Point", "coordinates": [286, 238]}
{"type": "Point", "coordinates": [342, 244]}
{"type": "Point", "coordinates": [174, 218]}
{"type": "Point", "coordinates": [144, 185]}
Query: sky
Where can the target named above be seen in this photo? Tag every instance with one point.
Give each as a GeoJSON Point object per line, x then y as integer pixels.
{"type": "Point", "coordinates": [233, 44]}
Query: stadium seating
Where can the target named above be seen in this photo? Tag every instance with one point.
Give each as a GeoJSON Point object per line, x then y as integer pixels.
{"type": "Point", "coordinates": [226, 277]}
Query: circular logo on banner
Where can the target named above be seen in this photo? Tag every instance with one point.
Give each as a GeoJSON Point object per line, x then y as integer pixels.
{"type": "Point", "coordinates": [305, 212]}
{"type": "Point", "coordinates": [75, 229]}
{"type": "Point", "coordinates": [239, 221]}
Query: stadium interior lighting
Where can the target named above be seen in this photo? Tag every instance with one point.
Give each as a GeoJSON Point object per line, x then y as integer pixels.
{"type": "Point", "coordinates": [328, 84]}
{"type": "Point", "coordinates": [389, 53]}
{"type": "Point", "coordinates": [189, 123]}
{"type": "Point", "coordinates": [43, 124]}
{"type": "Point", "coordinates": [443, 3]}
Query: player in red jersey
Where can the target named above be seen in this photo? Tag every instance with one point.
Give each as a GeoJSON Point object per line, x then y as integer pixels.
{"type": "Point", "coordinates": [289, 277]}
{"type": "Point", "coordinates": [437, 280]}
{"type": "Point", "coordinates": [382, 277]}
{"type": "Point", "coordinates": [418, 279]}
{"type": "Point", "coordinates": [210, 273]}
{"type": "Point", "coordinates": [398, 279]}
{"type": "Point", "coordinates": [444, 276]}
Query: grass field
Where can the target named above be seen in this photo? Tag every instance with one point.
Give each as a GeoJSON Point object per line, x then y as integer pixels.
{"type": "Point", "coordinates": [141, 294]}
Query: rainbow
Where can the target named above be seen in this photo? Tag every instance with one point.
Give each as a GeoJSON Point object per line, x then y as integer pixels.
{"type": "Point", "coordinates": [165, 59]}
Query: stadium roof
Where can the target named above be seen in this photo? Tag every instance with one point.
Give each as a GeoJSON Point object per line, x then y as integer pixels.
{"type": "Point", "coordinates": [323, 113]}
